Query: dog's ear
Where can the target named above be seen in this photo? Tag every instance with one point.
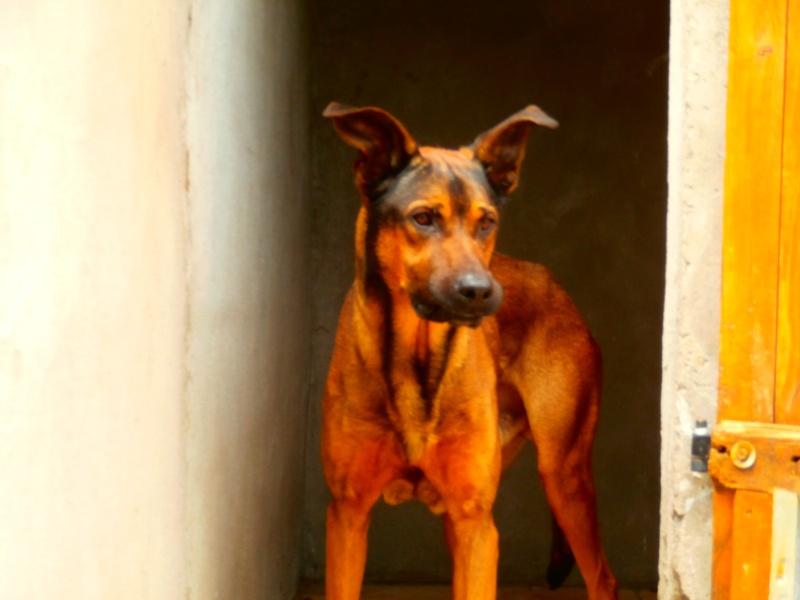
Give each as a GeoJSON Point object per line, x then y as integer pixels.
{"type": "Point", "coordinates": [502, 148]}
{"type": "Point", "coordinates": [384, 145]}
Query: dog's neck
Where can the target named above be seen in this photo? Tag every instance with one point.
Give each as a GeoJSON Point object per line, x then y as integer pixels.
{"type": "Point", "coordinates": [412, 342]}
{"type": "Point", "coordinates": [420, 351]}
{"type": "Point", "coordinates": [415, 349]}
{"type": "Point", "coordinates": [420, 355]}
{"type": "Point", "coordinates": [417, 353]}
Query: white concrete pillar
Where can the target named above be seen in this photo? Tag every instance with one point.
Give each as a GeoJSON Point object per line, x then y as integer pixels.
{"type": "Point", "coordinates": [697, 100]}
{"type": "Point", "coordinates": [153, 234]}
{"type": "Point", "coordinates": [249, 271]}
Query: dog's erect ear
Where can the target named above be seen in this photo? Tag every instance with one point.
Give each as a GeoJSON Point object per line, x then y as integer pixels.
{"type": "Point", "coordinates": [502, 148]}
{"type": "Point", "coordinates": [384, 146]}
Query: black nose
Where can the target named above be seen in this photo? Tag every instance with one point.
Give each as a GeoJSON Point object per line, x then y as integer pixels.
{"type": "Point", "coordinates": [474, 287]}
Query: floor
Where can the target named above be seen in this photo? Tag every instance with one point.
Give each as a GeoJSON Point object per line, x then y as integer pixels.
{"type": "Point", "coordinates": [435, 592]}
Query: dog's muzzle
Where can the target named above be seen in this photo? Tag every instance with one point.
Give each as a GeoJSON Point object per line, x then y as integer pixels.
{"type": "Point", "coordinates": [463, 300]}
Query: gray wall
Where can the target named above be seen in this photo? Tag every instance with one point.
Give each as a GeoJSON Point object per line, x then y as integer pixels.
{"type": "Point", "coordinates": [591, 207]}
{"type": "Point", "coordinates": [248, 337]}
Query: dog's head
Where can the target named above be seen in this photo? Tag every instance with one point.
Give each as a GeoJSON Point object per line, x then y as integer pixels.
{"type": "Point", "coordinates": [433, 213]}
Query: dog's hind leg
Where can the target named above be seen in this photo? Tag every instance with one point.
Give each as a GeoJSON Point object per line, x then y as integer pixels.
{"type": "Point", "coordinates": [570, 492]}
{"type": "Point", "coordinates": [564, 455]}
{"type": "Point", "coordinates": [562, 403]}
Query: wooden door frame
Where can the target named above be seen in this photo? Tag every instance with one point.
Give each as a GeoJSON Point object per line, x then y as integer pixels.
{"type": "Point", "coordinates": [759, 379]}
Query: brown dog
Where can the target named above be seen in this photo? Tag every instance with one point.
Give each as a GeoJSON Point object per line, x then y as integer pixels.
{"type": "Point", "coordinates": [449, 356]}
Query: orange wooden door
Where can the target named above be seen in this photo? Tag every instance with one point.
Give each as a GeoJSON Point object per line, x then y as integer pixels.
{"type": "Point", "coordinates": [756, 444]}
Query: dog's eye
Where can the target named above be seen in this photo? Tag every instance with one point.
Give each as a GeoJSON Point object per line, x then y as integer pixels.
{"type": "Point", "coordinates": [423, 218]}
{"type": "Point", "coordinates": [486, 223]}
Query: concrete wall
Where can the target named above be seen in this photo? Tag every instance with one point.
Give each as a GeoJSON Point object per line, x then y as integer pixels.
{"type": "Point", "coordinates": [152, 266]}
{"type": "Point", "coordinates": [248, 271]}
{"type": "Point", "coordinates": [93, 296]}
{"type": "Point", "coordinates": [698, 77]}
{"type": "Point", "coordinates": [591, 206]}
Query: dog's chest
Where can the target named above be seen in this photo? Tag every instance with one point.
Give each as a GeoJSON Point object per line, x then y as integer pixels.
{"type": "Point", "coordinates": [429, 362]}
{"type": "Point", "coordinates": [422, 374]}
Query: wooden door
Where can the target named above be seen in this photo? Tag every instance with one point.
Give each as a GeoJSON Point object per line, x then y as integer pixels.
{"type": "Point", "coordinates": [755, 458]}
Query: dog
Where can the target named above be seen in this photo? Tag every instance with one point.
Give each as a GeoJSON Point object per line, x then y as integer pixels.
{"type": "Point", "coordinates": [449, 356]}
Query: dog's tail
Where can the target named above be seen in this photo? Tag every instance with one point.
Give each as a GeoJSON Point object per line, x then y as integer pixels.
{"type": "Point", "coordinates": [561, 558]}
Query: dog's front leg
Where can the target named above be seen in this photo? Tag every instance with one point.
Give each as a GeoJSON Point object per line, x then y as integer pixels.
{"type": "Point", "coordinates": [346, 548]}
{"type": "Point", "coordinates": [466, 470]}
{"type": "Point", "coordinates": [474, 550]}
{"type": "Point", "coordinates": [357, 469]}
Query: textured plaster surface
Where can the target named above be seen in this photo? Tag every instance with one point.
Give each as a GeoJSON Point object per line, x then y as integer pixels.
{"type": "Point", "coordinates": [591, 206]}
{"type": "Point", "coordinates": [93, 299]}
{"type": "Point", "coordinates": [698, 77]}
{"type": "Point", "coordinates": [154, 227]}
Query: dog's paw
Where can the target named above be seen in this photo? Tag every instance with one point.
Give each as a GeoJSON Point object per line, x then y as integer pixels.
{"type": "Point", "coordinates": [430, 496]}
{"type": "Point", "coordinates": [398, 491]}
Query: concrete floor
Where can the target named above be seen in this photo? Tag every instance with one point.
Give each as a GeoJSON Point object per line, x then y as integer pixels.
{"type": "Point", "coordinates": [439, 592]}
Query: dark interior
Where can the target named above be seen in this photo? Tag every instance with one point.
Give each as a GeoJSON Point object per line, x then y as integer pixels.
{"type": "Point", "coordinates": [591, 206]}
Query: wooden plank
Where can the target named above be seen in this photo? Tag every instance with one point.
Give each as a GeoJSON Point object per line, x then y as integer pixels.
{"type": "Point", "coordinates": [752, 545]}
{"type": "Point", "coordinates": [722, 549]}
{"type": "Point", "coordinates": [751, 350]}
{"type": "Point", "coordinates": [751, 220]}
{"type": "Point", "coordinates": [787, 377]}
{"type": "Point", "coordinates": [783, 573]}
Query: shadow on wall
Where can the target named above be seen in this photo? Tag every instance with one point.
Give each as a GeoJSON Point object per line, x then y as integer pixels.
{"type": "Point", "coordinates": [591, 207]}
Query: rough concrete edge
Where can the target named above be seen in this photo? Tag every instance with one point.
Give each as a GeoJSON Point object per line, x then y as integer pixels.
{"type": "Point", "coordinates": [196, 43]}
{"type": "Point", "coordinates": [697, 81]}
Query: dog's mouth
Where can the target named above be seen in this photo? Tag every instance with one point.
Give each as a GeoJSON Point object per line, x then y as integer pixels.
{"type": "Point", "coordinates": [438, 314]}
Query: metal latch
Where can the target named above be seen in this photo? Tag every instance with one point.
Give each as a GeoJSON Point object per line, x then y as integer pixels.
{"type": "Point", "coordinates": [701, 445]}
{"type": "Point", "coordinates": [756, 456]}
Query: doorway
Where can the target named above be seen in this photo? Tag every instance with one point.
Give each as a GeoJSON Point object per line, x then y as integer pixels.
{"type": "Point", "coordinates": [591, 206]}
